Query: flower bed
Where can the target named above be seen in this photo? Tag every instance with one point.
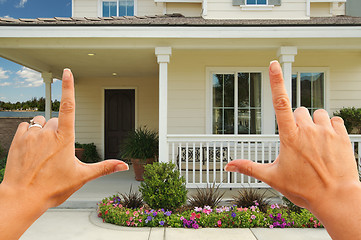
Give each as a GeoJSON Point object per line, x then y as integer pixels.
{"type": "Point", "coordinates": [112, 211]}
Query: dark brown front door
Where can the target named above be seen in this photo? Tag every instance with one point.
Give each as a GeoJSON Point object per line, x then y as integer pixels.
{"type": "Point", "coordinates": [119, 119]}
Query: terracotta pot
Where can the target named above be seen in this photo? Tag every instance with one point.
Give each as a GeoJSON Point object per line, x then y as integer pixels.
{"type": "Point", "coordinates": [138, 166]}
{"type": "Point", "coordinates": [79, 153]}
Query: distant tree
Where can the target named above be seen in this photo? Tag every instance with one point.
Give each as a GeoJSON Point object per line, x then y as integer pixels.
{"type": "Point", "coordinates": [56, 106]}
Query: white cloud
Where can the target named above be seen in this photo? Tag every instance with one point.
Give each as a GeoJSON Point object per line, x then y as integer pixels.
{"type": "Point", "coordinates": [7, 16]}
{"type": "Point", "coordinates": [21, 3]}
{"type": "Point", "coordinates": [30, 78]}
{"type": "Point", "coordinates": [3, 74]}
{"type": "Point", "coordinates": [3, 98]}
{"type": "Point", "coordinates": [4, 84]}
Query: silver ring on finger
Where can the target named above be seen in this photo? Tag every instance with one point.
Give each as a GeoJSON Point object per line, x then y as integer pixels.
{"type": "Point", "coordinates": [34, 124]}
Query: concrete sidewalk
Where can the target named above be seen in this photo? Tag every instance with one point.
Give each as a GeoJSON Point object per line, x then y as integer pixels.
{"type": "Point", "coordinates": [63, 224]}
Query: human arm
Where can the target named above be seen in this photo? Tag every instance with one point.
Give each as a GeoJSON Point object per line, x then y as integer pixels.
{"type": "Point", "coordinates": [315, 168]}
{"type": "Point", "coordinates": [42, 170]}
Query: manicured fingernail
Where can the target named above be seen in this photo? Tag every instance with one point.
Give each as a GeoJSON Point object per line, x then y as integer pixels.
{"type": "Point", "coordinates": [275, 67]}
{"type": "Point", "coordinates": [230, 168]}
{"type": "Point", "coordinates": [121, 167]}
{"type": "Point", "coordinates": [66, 73]}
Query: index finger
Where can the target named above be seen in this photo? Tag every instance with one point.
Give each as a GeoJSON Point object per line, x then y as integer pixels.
{"type": "Point", "coordinates": [67, 105]}
{"type": "Point", "coordinates": [281, 102]}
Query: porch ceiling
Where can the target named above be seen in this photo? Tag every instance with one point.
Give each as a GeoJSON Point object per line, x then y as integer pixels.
{"type": "Point", "coordinates": [131, 57]}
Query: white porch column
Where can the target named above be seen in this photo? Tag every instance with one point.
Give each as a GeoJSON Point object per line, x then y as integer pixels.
{"type": "Point", "coordinates": [286, 57]}
{"type": "Point", "coordinates": [48, 80]}
{"type": "Point", "coordinates": [163, 57]}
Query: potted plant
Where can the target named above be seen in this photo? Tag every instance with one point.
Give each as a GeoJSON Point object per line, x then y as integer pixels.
{"type": "Point", "coordinates": [141, 147]}
{"type": "Point", "coordinates": [79, 151]}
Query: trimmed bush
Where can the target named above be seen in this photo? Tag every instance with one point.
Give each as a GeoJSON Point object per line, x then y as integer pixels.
{"type": "Point", "coordinates": [163, 187]}
{"type": "Point", "coordinates": [90, 152]}
{"type": "Point", "coordinates": [352, 119]}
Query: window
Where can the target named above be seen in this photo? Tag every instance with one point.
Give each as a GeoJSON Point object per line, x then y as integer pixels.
{"type": "Point", "coordinates": [256, 2]}
{"type": "Point", "coordinates": [308, 90]}
{"type": "Point", "coordinates": [118, 8]}
{"type": "Point", "coordinates": [237, 103]}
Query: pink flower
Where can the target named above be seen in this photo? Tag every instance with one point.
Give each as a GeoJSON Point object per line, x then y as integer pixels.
{"type": "Point", "coordinates": [128, 223]}
{"type": "Point", "coordinates": [197, 209]}
{"type": "Point", "coordinates": [273, 206]}
{"type": "Point", "coordinates": [140, 220]}
{"type": "Point", "coordinates": [219, 222]}
{"type": "Point", "coordinates": [253, 208]}
{"type": "Point", "coordinates": [127, 212]}
{"type": "Point", "coordinates": [135, 214]}
{"type": "Point", "coordinates": [253, 217]}
{"type": "Point", "coordinates": [270, 226]}
{"type": "Point", "coordinates": [131, 219]}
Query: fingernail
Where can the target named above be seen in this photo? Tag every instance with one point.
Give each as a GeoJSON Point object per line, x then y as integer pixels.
{"type": "Point", "coordinates": [230, 168]}
{"type": "Point", "coordinates": [121, 167]}
{"type": "Point", "coordinates": [275, 67]}
{"type": "Point", "coordinates": [66, 73]}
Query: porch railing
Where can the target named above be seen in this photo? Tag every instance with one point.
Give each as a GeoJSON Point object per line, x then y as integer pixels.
{"type": "Point", "coordinates": [201, 158]}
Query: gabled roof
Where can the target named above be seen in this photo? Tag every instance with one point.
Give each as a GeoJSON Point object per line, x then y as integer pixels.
{"type": "Point", "coordinates": [177, 20]}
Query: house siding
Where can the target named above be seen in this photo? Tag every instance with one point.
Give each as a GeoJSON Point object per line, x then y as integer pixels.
{"type": "Point", "coordinates": [89, 94]}
{"type": "Point", "coordinates": [85, 8]}
{"type": "Point", "coordinates": [186, 9]}
{"type": "Point", "coordinates": [187, 113]}
{"type": "Point", "coordinates": [149, 7]}
{"type": "Point", "coordinates": [289, 9]}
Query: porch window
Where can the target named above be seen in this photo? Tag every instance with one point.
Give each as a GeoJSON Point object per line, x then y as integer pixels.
{"type": "Point", "coordinates": [308, 90]}
{"type": "Point", "coordinates": [237, 103]}
{"type": "Point", "coordinates": [256, 2]}
{"type": "Point", "coordinates": [118, 8]}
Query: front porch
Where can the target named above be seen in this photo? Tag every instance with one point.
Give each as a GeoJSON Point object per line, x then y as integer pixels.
{"type": "Point", "coordinates": [201, 158]}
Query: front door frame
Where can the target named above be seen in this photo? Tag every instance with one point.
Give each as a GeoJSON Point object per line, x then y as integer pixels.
{"type": "Point", "coordinates": [103, 111]}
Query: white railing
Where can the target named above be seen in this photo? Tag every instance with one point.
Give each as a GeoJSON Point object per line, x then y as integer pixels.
{"type": "Point", "coordinates": [201, 158]}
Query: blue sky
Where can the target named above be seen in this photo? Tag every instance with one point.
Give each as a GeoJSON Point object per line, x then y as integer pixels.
{"type": "Point", "coordinates": [18, 83]}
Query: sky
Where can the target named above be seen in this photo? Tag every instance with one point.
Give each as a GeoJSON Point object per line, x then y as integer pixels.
{"type": "Point", "coordinates": [18, 83]}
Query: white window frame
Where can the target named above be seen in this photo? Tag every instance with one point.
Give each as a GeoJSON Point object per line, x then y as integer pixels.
{"type": "Point", "coordinates": [100, 7]}
{"type": "Point", "coordinates": [267, 113]}
{"type": "Point", "coordinates": [325, 70]}
{"type": "Point", "coordinates": [256, 7]}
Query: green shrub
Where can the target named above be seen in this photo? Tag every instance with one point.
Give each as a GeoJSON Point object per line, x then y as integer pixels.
{"type": "Point", "coordinates": [3, 162]}
{"type": "Point", "coordinates": [248, 197]}
{"type": "Point", "coordinates": [2, 171]}
{"type": "Point", "coordinates": [351, 117]}
{"type": "Point", "coordinates": [163, 187]}
{"type": "Point", "coordinates": [209, 196]}
{"type": "Point", "coordinates": [90, 152]}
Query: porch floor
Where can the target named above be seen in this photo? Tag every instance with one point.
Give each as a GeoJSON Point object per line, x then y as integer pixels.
{"type": "Point", "coordinates": [120, 182]}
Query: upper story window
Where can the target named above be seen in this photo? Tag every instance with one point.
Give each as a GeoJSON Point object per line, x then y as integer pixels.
{"type": "Point", "coordinates": [256, 2]}
{"type": "Point", "coordinates": [118, 8]}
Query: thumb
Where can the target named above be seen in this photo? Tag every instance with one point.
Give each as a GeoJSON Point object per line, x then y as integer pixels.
{"type": "Point", "coordinates": [96, 170]}
{"type": "Point", "coordinates": [256, 170]}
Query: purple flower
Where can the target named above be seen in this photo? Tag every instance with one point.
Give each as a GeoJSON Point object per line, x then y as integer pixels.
{"type": "Point", "coordinates": [149, 218]}
{"type": "Point", "coordinates": [161, 223]}
{"type": "Point", "coordinates": [253, 217]}
{"type": "Point", "coordinates": [154, 214]}
{"type": "Point", "coordinates": [195, 226]}
{"type": "Point", "coordinates": [168, 213]}
{"type": "Point", "coordinates": [162, 209]}
{"type": "Point", "coordinates": [233, 215]}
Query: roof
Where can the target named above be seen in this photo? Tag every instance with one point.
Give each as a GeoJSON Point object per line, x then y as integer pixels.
{"type": "Point", "coordinates": [177, 20]}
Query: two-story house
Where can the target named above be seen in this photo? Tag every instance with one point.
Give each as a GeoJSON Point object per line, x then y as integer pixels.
{"type": "Point", "coordinates": [197, 70]}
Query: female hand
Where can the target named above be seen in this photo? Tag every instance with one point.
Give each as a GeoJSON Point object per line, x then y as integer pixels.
{"type": "Point", "coordinates": [316, 166]}
{"type": "Point", "coordinates": [42, 170]}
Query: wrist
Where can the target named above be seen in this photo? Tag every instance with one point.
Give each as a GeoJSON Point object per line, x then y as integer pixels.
{"type": "Point", "coordinates": [20, 210]}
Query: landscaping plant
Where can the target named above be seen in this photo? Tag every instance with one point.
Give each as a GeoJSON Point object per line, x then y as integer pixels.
{"type": "Point", "coordinates": [291, 206]}
{"type": "Point", "coordinates": [247, 197]}
{"type": "Point", "coordinates": [112, 211]}
{"type": "Point", "coordinates": [131, 200]}
{"type": "Point", "coordinates": [352, 119]}
{"type": "Point", "coordinates": [209, 196]}
{"type": "Point", "coordinates": [91, 154]}
{"type": "Point", "coordinates": [163, 187]}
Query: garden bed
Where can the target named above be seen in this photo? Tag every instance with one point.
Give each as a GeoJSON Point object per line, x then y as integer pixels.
{"type": "Point", "coordinates": [112, 211]}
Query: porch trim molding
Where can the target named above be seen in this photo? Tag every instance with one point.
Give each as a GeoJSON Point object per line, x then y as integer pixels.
{"type": "Point", "coordinates": [163, 58]}
{"type": "Point", "coordinates": [286, 55]}
{"type": "Point", "coordinates": [48, 80]}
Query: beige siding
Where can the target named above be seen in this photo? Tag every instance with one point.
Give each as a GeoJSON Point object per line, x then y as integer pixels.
{"type": "Point", "coordinates": [339, 9]}
{"type": "Point", "coordinates": [90, 111]}
{"type": "Point", "coordinates": [85, 8]}
{"type": "Point", "coordinates": [149, 7]}
{"type": "Point", "coordinates": [321, 10]}
{"type": "Point", "coordinates": [187, 9]}
{"type": "Point", "coordinates": [187, 80]}
{"type": "Point", "coordinates": [223, 9]}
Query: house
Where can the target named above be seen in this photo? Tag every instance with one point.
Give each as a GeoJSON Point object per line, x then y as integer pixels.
{"type": "Point", "coordinates": [197, 70]}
